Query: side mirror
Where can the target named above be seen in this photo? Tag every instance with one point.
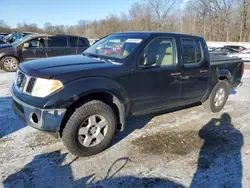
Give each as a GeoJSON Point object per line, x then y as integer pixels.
{"type": "Point", "coordinates": [26, 45]}
{"type": "Point", "coordinates": [147, 60]}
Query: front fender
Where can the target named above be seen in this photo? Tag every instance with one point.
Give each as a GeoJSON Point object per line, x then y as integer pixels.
{"type": "Point", "coordinates": [77, 89]}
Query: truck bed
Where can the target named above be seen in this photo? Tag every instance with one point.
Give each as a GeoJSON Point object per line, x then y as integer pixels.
{"type": "Point", "coordinates": [217, 60]}
{"type": "Point", "coordinates": [232, 64]}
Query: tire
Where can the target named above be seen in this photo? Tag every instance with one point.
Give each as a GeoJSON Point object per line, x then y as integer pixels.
{"type": "Point", "coordinates": [9, 63]}
{"type": "Point", "coordinates": [80, 123]}
{"type": "Point", "coordinates": [211, 104]}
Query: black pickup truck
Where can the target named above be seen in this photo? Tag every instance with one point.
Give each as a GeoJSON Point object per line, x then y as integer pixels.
{"type": "Point", "coordinates": [85, 98]}
{"type": "Point", "coordinates": [36, 46]}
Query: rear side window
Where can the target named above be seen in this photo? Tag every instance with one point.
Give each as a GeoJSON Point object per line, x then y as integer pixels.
{"type": "Point", "coordinates": [192, 52]}
{"type": "Point", "coordinates": [57, 42]}
{"type": "Point", "coordinates": [77, 41]}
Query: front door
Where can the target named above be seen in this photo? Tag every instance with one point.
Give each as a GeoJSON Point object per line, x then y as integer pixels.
{"type": "Point", "coordinates": [195, 72]}
{"type": "Point", "coordinates": [34, 49]}
{"type": "Point", "coordinates": [156, 83]}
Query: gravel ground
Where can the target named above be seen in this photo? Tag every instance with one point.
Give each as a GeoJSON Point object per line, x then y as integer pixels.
{"type": "Point", "coordinates": [186, 148]}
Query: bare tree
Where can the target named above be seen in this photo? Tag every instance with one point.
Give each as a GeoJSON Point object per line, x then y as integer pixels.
{"type": "Point", "coordinates": [162, 9]}
{"type": "Point", "coordinates": [244, 8]}
{"type": "Point", "coordinates": [215, 20]}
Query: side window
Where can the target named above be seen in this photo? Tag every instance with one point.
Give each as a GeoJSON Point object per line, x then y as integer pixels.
{"type": "Point", "coordinates": [77, 41]}
{"type": "Point", "coordinates": [198, 51]}
{"type": "Point", "coordinates": [192, 52]}
{"type": "Point", "coordinates": [37, 43]}
{"type": "Point", "coordinates": [160, 52]}
{"type": "Point", "coordinates": [57, 42]}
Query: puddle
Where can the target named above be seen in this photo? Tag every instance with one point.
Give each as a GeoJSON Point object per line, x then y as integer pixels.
{"type": "Point", "coordinates": [178, 143]}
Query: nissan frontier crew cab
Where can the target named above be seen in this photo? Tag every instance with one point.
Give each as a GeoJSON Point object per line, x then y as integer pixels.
{"type": "Point", "coordinates": [86, 98]}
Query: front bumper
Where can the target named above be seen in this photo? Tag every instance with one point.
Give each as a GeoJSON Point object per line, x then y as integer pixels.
{"type": "Point", "coordinates": [42, 119]}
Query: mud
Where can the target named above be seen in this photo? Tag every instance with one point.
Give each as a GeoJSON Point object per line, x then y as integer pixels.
{"type": "Point", "coordinates": [178, 143]}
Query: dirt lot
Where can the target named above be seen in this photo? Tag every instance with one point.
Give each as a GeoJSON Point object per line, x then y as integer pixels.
{"type": "Point", "coordinates": [187, 148]}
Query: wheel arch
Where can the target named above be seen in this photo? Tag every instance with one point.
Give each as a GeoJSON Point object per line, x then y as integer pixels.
{"type": "Point", "coordinates": [225, 75]}
{"type": "Point", "coordinates": [105, 96]}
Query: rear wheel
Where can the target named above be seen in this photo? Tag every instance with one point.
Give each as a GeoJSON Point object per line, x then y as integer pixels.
{"type": "Point", "coordinates": [218, 98]}
{"type": "Point", "coordinates": [9, 63]}
{"type": "Point", "coordinates": [90, 129]}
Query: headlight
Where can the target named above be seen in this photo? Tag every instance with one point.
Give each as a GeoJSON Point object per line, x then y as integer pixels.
{"type": "Point", "coordinates": [44, 87]}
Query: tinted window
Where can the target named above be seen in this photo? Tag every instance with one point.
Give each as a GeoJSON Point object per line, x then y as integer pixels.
{"type": "Point", "coordinates": [57, 42]}
{"type": "Point", "coordinates": [160, 52]}
{"type": "Point", "coordinates": [198, 51]}
{"type": "Point", "coordinates": [192, 52]}
{"type": "Point", "coordinates": [76, 41]}
{"type": "Point", "coordinates": [188, 51]}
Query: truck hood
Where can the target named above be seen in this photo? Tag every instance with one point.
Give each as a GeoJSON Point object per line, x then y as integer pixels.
{"type": "Point", "coordinates": [62, 65]}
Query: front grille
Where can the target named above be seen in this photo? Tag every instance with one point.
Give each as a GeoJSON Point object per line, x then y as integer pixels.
{"type": "Point", "coordinates": [24, 83]}
{"type": "Point", "coordinates": [31, 85]}
{"type": "Point", "coordinates": [20, 80]}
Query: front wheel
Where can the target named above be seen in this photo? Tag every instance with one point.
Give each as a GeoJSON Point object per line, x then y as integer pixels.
{"type": "Point", "coordinates": [90, 129]}
{"type": "Point", "coordinates": [9, 63]}
{"type": "Point", "coordinates": [218, 98]}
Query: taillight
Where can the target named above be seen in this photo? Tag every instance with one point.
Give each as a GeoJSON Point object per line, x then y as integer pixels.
{"type": "Point", "coordinates": [242, 69]}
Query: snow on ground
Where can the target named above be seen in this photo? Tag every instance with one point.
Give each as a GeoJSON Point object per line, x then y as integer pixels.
{"type": "Point", "coordinates": [177, 149]}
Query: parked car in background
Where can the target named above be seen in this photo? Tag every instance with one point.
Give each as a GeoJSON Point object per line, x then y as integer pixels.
{"type": "Point", "coordinates": [12, 37]}
{"type": "Point", "coordinates": [211, 48]}
{"type": "Point", "coordinates": [38, 46]}
{"type": "Point", "coordinates": [222, 51]}
{"type": "Point", "coordinates": [245, 55]}
{"type": "Point", "coordinates": [3, 35]}
{"type": "Point", "coordinates": [85, 98]}
{"type": "Point", "coordinates": [92, 41]}
{"type": "Point", "coordinates": [237, 48]}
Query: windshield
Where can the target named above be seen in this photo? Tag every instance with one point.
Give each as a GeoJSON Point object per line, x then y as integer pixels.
{"type": "Point", "coordinates": [18, 41]}
{"type": "Point", "coordinates": [117, 46]}
{"type": "Point", "coordinates": [12, 37]}
{"type": "Point", "coordinates": [7, 36]}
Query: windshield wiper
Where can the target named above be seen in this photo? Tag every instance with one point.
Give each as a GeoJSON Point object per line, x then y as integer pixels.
{"type": "Point", "coordinates": [100, 58]}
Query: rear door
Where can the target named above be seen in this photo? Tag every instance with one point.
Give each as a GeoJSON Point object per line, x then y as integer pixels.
{"type": "Point", "coordinates": [77, 45]}
{"type": "Point", "coordinates": [195, 72]}
{"type": "Point", "coordinates": [35, 49]}
{"type": "Point", "coordinates": [57, 46]}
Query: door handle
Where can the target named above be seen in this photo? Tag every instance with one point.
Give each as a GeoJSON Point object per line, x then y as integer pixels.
{"type": "Point", "coordinates": [203, 71]}
{"type": "Point", "coordinates": [176, 74]}
{"type": "Point", "coordinates": [185, 77]}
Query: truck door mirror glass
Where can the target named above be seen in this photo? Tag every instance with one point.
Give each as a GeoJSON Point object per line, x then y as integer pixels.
{"type": "Point", "coordinates": [26, 45]}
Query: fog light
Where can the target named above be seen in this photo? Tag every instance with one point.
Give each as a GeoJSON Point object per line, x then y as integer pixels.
{"type": "Point", "coordinates": [34, 118]}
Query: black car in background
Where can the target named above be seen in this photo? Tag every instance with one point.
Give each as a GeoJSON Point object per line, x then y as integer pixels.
{"type": "Point", "coordinates": [222, 51]}
{"type": "Point", "coordinates": [38, 46]}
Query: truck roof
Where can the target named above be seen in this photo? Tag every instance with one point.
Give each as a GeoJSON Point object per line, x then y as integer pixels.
{"type": "Point", "coordinates": [159, 33]}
